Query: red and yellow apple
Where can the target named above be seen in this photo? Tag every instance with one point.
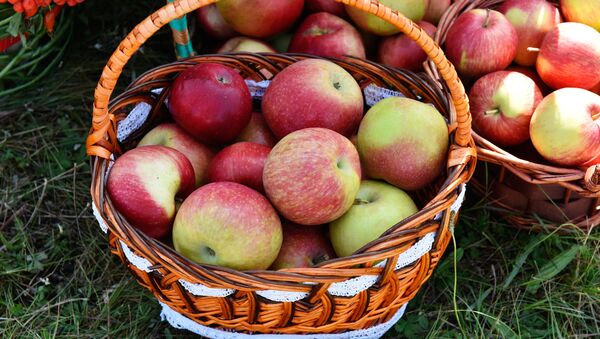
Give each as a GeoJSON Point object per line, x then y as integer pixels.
{"type": "Point", "coordinates": [501, 106]}
{"type": "Point", "coordinates": [532, 19]}
{"type": "Point", "coordinates": [144, 183]}
{"type": "Point", "coordinates": [582, 11]}
{"type": "Point", "coordinates": [242, 162]}
{"type": "Point", "coordinates": [412, 9]}
{"type": "Point", "coordinates": [230, 225]}
{"type": "Point", "coordinates": [570, 56]}
{"type": "Point", "coordinates": [303, 247]}
{"type": "Point", "coordinates": [213, 24]}
{"type": "Point", "coordinates": [404, 142]}
{"type": "Point", "coordinates": [257, 131]}
{"type": "Point", "coordinates": [312, 175]}
{"type": "Point", "coordinates": [260, 18]}
{"type": "Point", "coordinates": [313, 93]}
{"type": "Point", "coordinates": [400, 51]}
{"type": "Point", "coordinates": [245, 44]}
{"type": "Point", "coordinates": [196, 103]}
{"type": "Point", "coordinates": [377, 207]}
{"type": "Point", "coordinates": [171, 135]}
{"type": "Point", "coordinates": [481, 41]}
{"type": "Point", "coordinates": [327, 35]}
{"type": "Point", "coordinates": [565, 127]}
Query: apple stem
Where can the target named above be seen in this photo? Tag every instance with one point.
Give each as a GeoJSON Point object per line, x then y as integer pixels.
{"type": "Point", "coordinates": [487, 18]}
{"type": "Point", "coordinates": [492, 111]}
{"type": "Point", "coordinates": [358, 201]}
{"type": "Point", "coordinates": [533, 49]}
{"type": "Point", "coordinates": [596, 116]}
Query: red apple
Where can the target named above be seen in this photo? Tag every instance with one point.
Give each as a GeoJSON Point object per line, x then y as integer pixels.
{"type": "Point", "coordinates": [570, 56]}
{"type": "Point", "coordinates": [171, 135]}
{"type": "Point", "coordinates": [582, 11]}
{"type": "Point", "coordinates": [313, 93]}
{"type": "Point", "coordinates": [260, 18]}
{"type": "Point", "coordinates": [404, 142]}
{"type": "Point", "coordinates": [532, 74]}
{"type": "Point", "coordinates": [257, 131]}
{"type": "Point", "coordinates": [329, 6]}
{"type": "Point", "coordinates": [230, 225]}
{"type": "Point", "coordinates": [211, 102]}
{"type": "Point", "coordinates": [501, 106]}
{"type": "Point", "coordinates": [312, 176]}
{"type": "Point", "coordinates": [435, 10]}
{"type": "Point", "coordinates": [245, 44]}
{"type": "Point", "coordinates": [481, 41]}
{"type": "Point", "coordinates": [242, 162]}
{"type": "Point", "coordinates": [412, 9]}
{"type": "Point", "coordinates": [213, 24]}
{"type": "Point", "coordinates": [143, 184]}
{"type": "Point", "coordinates": [303, 247]}
{"type": "Point", "coordinates": [400, 51]}
{"type": "Point", "coordinates": [532, 19]}
{"type": "Point", "coordinates": [327, 35]}
{"type": "Point", "coordinates": [565, 127]}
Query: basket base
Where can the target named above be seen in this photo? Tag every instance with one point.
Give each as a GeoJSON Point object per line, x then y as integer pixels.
{"type": "Point", "coordinates": [181, 322]}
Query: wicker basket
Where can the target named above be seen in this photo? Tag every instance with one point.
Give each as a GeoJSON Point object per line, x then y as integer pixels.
{"type": "Point", "coordinates": [531, 194]}
{"type": "Point", "coordinates": [360, 295]}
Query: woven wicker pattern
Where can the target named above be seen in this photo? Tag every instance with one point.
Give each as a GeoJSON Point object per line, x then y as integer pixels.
{"type": "Point", "coordinates": [524, 190]}
{"type": "Point", "coordinates": [243, 301]}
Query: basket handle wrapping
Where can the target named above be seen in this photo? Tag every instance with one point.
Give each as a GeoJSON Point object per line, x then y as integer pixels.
{"type": "Point", "coordinates": [101, 141]}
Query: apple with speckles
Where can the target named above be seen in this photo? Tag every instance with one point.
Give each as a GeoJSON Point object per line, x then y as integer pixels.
{"type": "Point", "coordinates": [313, 93]}
{"type": "Point", "coordinates": [481, 41]}
{"type": "Point", "coordinates": [582, 11]}
{"type": "Point", "coordinates": [230, 225]}
{"type": "Point", "coordinates": [242, 162]}
{"type": "Point", "coordinates": [303, 247]}
{"type": "Point", "coordinates": [171, 135]}
{"type": "Point", "coordinates": [377, 207]}
{"type": "Point", "coordinates": [196, 103]}
{"type": "Point", "coordinates": [312, 175]}
{"type": "Point", "coordinates": [144, 183]}
{"type": "Point", "coordinates": [404, 142]}
{"type": "Point", "coordinates": [257, 131]}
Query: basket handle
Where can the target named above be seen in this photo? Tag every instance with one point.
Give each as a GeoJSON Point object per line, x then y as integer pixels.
{"type": "Point", "coordinates": [100, 141]}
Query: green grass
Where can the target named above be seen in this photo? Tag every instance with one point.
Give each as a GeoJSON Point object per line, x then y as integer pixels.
{"type": "Point", "coordinates": [57, 278]}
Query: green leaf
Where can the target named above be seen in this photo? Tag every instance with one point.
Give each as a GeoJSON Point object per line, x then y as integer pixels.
{"type": "Point", "coordinates": [553, 267]}
{"type": "Point", "coordinates": [14, 26]}
{"type": "Point", "coordinates": [522, 258]}
{"type": "Point", "coordinates": [502, 328]}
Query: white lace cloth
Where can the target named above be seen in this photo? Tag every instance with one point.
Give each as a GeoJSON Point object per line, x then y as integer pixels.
{"type": "Point", "coordinates": [179, 321]}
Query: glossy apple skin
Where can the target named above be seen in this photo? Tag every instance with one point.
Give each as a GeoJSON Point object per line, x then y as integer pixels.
{"type": "Point", "coordinates": [565, 127]}
{"type": "Point", "coordinates": [582, 11]}
{"type": "Point", "coordinates": [228, 224]}
{"type": "Point", "coordinates": [213, 24]}
{"type": "Point", "coordinates": [245, 44]}
{"type": "Point", "coordinates": [400, 51]}
{"type": "Point", "coordinates": [303, 247]}
{"type": "Point", "coordinates": [570, 56]}
{"type": "Point", "coordinates": [476, 48]}
{"type": "Point", "coordinates": [377, 207]}
{"type": "Point", "coordinates": [143, 184]}
{"type": "Point", "coordinates": [197, 102]}
{"type": "Point", "coordinates": [329, 6]}
{"type": "Point", "coordinates": [403, 142]}
{"type": "Point", "coordinates": [532, 74]}
{"type": "Point", "coordinates": [257, 131]}
{"type": "Point", "coordinates": [242, 162]}
{"type": "Point", "coordinates": [260, 18]}
{"type": "Point", "coordinates": [327, 35]}
{"type": "Point", "coordinates": [435, 10]}
{"type": "Point", "coordinates": [501, 106]}
{"type": "Point", "coordinates": [171, 135]}
{"type": "Point", "coordinates": [412, 9]}
{"type": "Point", "coordinates": [312, 176]}
{"type": "Point", "coordinates": [299, 96]}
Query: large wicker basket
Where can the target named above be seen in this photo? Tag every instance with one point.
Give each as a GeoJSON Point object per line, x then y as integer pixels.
{"type": "Point", "coordinates": [360, 295]}
{"type": "Point", "coordinates": [531, 194]}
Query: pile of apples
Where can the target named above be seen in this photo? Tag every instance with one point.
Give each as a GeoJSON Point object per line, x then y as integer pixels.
{"type": "Point", "coordinates": [534, 77]}
{"type": "Point", "coordinates": [300, 177]}
{"type": "Point", "coordinates": [319, 27]}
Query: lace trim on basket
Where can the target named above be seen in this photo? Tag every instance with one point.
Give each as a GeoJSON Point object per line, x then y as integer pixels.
{"type": "Point", "coordinates": [101, 221]}
{"type": "Point", "coordinates": [137, 261]}
{"type": "Point", "coordinates": [181, 322]}
{"type": "Point", "coordinates": [257, 88]}
{"type": "Point", "coordinates": [462, 189]}
{"type": "Point", "coordinates": [205, 291]}
{"type": "Point", "coordinates": [135, 119]}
